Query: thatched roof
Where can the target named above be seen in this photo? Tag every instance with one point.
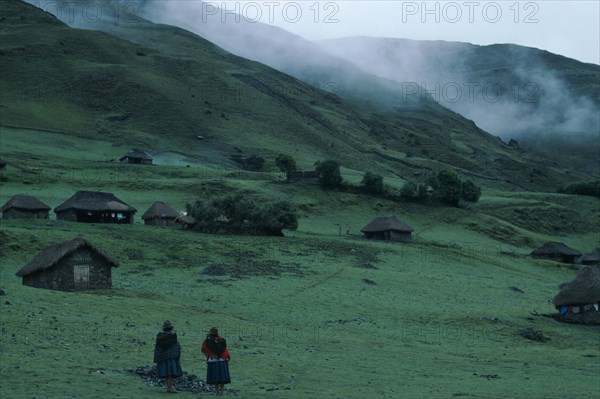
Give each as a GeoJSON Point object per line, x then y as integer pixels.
{"type": "Point", "coordinates": [385, 223]}
{"type": "Point", "coordinates": [54, 253]}
{"type": "Point", "coordinates": [185, 219]}
{"type": "Point", "coordinates": [94, 201]}
{"type": "Point", "coordinates": [28, 202]}
{"type": "Point", "coordinates": [160, 210]}
{"type": "Point", "coordinates": [592, 257]}
{"type": "Point", "coordinates": [552, 248]}
{"type": "Point", "coordinates": [137, 154]}
{"type": "Point", "coordinates": [583, 289]}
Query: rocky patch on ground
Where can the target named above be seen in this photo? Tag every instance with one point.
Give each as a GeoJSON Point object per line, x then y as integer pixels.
{"type": "Point", "coordinates": [532, 334]}
{"type": "Point", "coordinates": [187, 382]}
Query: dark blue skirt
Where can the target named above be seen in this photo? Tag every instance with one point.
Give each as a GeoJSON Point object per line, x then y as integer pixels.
{"type": "Point", "coordinates": [217, 372]}
{"type": "Point", "coordinates": [168, 368]}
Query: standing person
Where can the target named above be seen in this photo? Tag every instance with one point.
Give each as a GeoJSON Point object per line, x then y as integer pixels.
{"type": "Point", "coordinates": [217, 360]}
{"type": "Point", "coordinates": [166, 355]}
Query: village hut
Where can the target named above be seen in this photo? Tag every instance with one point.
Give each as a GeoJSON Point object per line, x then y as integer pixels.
{"type": "Point", "coordinates": [388, 228]}
{"type": "Point", "coordinates": [137, 157]}
{"type": "Point", "coordinates": [579, 300]}
{"type": "Point", "coordinates": [556, 251]}
{"type": "Point", "coordinates": [592, 258]}
{"type": "Point", "coordinates": [95, 207]}
{"type": "Point", "coordinates": [186, 222]}
{"type": "Point", "coordinates": [69, 266]}
{"type": "Point", "coordinates": [25, 207]}
{"type": "Point", "coordinates": [160, 214]}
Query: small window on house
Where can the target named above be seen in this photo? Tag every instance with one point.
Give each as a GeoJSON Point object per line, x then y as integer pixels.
{"type": "Point", "coordinates": [82, 274]}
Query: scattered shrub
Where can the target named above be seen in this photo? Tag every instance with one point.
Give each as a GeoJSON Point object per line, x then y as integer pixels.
{"type": "Point", "coordinates": [286, 164]}
{"type": "Point", "coordinates": [450, 190]}
{"type": "Point", "coordinates": [237, 214]}
{"type": "Point", "coordinates": [470, 191]}
{"type": "Point", "coordinates": [372, 183]}
{"type": "Point", "coordinates": [590, 188]}
{"type": "Point", "coordinates": [329, 173]}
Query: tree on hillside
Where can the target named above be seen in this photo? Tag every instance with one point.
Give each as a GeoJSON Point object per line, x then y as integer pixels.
{"type": "Point", "coordinates": [238, 214]}
{"type": "Point", "coordinates": [450, 190]}
{"type": "Point", "coordinates": [470, 191]}
{"type": "Point", "coordinates": [372, 183]}
{"type": "Point", "coordinates": [287, 164]}
{"type": "Point", "coordinates": [414, 191]}
{"type": "Point", "coordinates": [329, 173]}
{"type": "Point", "coordinates": [275, 217]}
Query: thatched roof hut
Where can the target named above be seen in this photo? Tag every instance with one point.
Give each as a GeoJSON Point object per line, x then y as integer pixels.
{"type": "Point", "coordinates": [95, 207]}
{"type": "Point", "coordinates": [137, 156]}
{"type": "Point", "coordinates": [186, 222]}
{"type": "Point", "coordinates": [579, 300]}
{"type": "Point", "coordinates": [583, 289]}
{"type": "Point", "coordinates": [25, 206]}
{"type": "Point", "coordinates": [160, 214]}
{"type": "Point", "coordinates": [556, 251]}
{"type": "Point", "coordinates": [592, 258]}
{"type": "Point", "coordinates": [388, 228]}
{"type": "Point", "coordinates": [73, 265]}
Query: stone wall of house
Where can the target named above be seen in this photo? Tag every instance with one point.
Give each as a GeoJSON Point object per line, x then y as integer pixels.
{"type": "Point", "coordinates": [61, 276]}
{"type": "Point", "coordinates": [167, 222]}
{"type": "Point", "coordinates": [69, 215]}
{"type": "Point", "coordinates": [14, 213]}
{"type": "Point", "coordinates": [399, 236]}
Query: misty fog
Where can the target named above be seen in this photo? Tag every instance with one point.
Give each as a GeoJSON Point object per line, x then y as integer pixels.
{"type": "Point", "coordinates": [507, 90]}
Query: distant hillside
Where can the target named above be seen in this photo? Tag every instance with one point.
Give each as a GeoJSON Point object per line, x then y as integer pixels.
{"type": "Point", "coordinates": [543, 99]}
{"type": "Point", "coordinates": [159, 87]}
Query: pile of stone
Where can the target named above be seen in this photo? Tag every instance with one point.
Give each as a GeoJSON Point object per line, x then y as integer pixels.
{"type": "Point", "coordinates": [187, 382]}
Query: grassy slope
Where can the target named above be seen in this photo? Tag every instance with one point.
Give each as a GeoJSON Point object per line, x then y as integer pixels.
{"type": "Point", "coordinates": [166, 82]}
{"type": "Point", "coordinates": [441, 319]}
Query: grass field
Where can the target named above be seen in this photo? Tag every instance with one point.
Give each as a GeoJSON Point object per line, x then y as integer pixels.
{"type": "Point", "coordinates": [307, 314]}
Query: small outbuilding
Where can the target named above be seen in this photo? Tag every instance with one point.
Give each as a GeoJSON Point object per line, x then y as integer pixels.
{"type": "Point", "coordinates": [69, 266]}
{"type": "Point", "coordinates": [579, 300]}
{"type": "Point", "coordinates": [556, 251]}
{"type": "Point", "coordinates": [160, 214]}
{"type": "Point", "coordinates": [186, 222]}
{"type": "Point", "coordinates": [592, 258]}
{"type": "Point", "coordinates": [95, 207]}
{"type": "Point", "coordinates": [388, 228]}
{"type": "Point", "coordinates": [25, 207]}
{"type": "Point", "coordinates": [137, 157]}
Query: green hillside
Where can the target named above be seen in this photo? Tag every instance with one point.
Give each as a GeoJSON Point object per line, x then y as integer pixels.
{"type": "Point", "coordinates": [319, 313]}
{"type": "Point", "coordinates": [163, 87]}
{"type": "Point", "coordinates": [546, 101]}
{"type": "Point", "coordinates": [301, 313]}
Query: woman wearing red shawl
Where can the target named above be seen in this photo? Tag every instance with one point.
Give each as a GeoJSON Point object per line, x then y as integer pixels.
{"type": "Point", "coordinates": [217, 360]}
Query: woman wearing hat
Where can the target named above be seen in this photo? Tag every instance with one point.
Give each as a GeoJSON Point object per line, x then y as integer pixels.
{"type": "Point", "coordinates": [166, 355]}
{"type": "Point", "coordinates": [217, 358]}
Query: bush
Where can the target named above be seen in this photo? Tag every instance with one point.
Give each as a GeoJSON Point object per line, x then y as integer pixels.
{"type": "Point", "coordinates": [591, 188]}
{"type": "Point", "coordinates": [450, 190]}
{"type": "Point", "coordinates": [372, 183]}
{"type": "Point", "coordinates": [413, 191]}
{"type": "Point", "coordinates": [240, 215]}
{"type": "Point", "coordinates": [286, 164]}
{"type": "Point", "coordinates": [277, 216]}
{"type": "Point", "coordinates": [329, 174]}
{"type": "Point", "coordinates": [255, 163]}
{"type": "Point", "coordinates": [470, 191]}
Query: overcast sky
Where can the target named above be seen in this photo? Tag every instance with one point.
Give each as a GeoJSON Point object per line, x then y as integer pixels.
{"type": "Point", "coordinates": [570, 28]}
